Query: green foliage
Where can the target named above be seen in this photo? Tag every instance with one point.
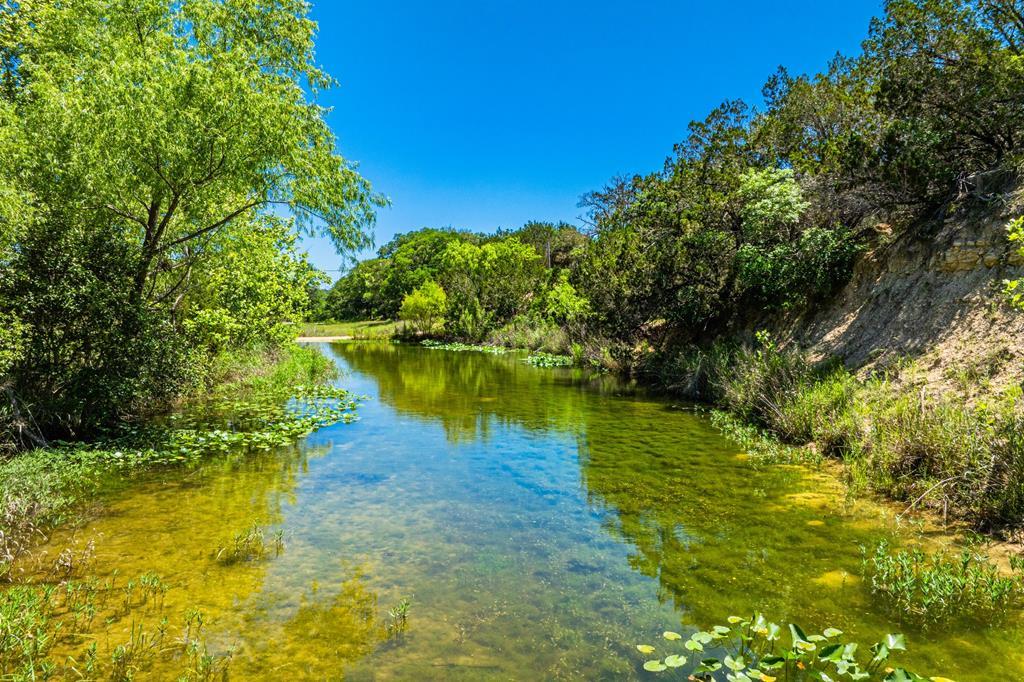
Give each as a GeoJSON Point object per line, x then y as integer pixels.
{"type": "Point", "coordinates": [487, 285]}
{"type": "Point", "coordinates": [251, 544]}
{"type": "Point", "coordinates": [753, 649]}
{"type": "Point", "coordinates": [563, 304]}
{"type": "Point", "coordinates": [148, 151]}
{"type": "Point", "coordinates": [256, 412]}
{"type": "Point", "coordinates": [425, 307]}
{"type": "Point", "coordinates": [1015, 288]}
{"type": "Point", "coordinates": [934, 588]}
{"type": "Point", "coordinates": [254, 291]}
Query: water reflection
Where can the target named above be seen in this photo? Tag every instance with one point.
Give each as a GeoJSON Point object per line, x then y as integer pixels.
{"type": "Point", "coordinates": [540, 522]}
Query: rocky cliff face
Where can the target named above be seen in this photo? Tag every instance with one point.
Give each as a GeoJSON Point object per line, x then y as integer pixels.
{"type": "Point", "coordinates": [933, 297]}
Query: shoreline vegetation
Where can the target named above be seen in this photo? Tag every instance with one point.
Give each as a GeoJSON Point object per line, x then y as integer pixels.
{"type": "Point", "coordinates": [939, 453]}
{"type": "Point", "coordinates": [258, 402]}
{"type": "Point", "coordinates": [159, 167]}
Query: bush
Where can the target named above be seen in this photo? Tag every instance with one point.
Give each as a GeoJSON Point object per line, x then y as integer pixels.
{"type": "Point", "coordinates": [532, 332]}
{"type": "Point", "coordinates": [425, 307]}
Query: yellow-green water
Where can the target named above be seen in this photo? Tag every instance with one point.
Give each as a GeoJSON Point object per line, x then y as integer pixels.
{"type": "Point", "coordinates": [541, 523]}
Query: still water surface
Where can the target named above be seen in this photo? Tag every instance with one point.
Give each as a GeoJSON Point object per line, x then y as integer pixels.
{"type": "Point", "coordinates": [541, 523]}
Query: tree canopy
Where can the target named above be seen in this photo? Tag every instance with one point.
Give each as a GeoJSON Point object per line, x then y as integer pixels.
{"type": "Point", "coordinates": [149, 152]}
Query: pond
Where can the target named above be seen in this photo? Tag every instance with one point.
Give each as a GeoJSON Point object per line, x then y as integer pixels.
{"type": "Point", "coordinates": [539, 522]}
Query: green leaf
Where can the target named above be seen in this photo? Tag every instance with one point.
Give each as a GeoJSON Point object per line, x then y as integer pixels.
{"type": "Point", "coordinates": [693, 645]}
{"type": "Point", "coordinates": [675, 661]}
{"type": "Point", "coordinates": [895, 642]}
{"type": "Point", "coordinates": [735, 664]}
{"type": "Point", "coordinates": [833, 652]}
{"type": "Point", "coordinates": [645, 648]}
{"type": "Point", "coordinates": [832, 632]}
{"type": "Point", "coordinates": [654, 666]}
{"type": "Point", "coordinates": [671, 636]}
{"type": "Point", "coordinates": [708, 665]}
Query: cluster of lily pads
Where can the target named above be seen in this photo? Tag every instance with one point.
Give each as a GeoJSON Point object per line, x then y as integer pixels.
{"type": "Point", "coordinates": [752, 649]}
{"type": "Point", "coordinates": [223, 426]}
{"type": "Point", "coordinates": [440, 345]}
{"type": "Point", "coordinates": [549, 360]}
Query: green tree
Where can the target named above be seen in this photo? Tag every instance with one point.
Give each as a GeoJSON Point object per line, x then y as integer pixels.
{"type": "Point", "coordinates": [488, 285]}
{"type": "Point", "coordinates": [173, 119]}
{"type": "Point", "coordinates": [425, 307]}
{"type": "Point", "coordinates": [412, 259]}
{"type": "Point", "coordinates": [563, 304]}
{"type": "Point", "coordinates": [142, 147]}
{"type": "Point", "coordinates": [254, 290]}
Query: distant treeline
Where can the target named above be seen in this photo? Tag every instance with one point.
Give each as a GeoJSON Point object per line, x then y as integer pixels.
{"type": "Point", "coordinates": [758, 209]}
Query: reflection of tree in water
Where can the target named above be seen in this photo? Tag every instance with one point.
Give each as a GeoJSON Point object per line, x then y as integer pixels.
{"type": "Point", "coordinates": [469, 391]}
{"type": "Point", "coordinates": [720, 536]}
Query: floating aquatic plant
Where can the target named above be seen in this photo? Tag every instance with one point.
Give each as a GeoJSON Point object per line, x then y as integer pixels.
{"type": "Point", "coordinates": [753, 649]}
{"type": "Point", "coordinates": [438, 345]}
{"type": "Point", "coordinates": [549, 360]}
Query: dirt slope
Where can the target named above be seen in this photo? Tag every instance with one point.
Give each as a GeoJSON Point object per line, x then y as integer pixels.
{"type": "Point", "coordinates": [934, 297]}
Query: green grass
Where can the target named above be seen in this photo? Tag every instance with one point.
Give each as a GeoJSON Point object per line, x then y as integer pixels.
{"type": "Point", "coordinates": [249, 411]}
{"type": "Point", "coordinates": [932, 588]}
{"type": "Point", "coordinates": [363, 329]}
{"type": "Point", "coordinates": [897, 436]}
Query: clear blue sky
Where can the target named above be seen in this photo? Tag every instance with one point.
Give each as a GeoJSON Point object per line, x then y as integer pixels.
{"type": "Point", "coordinates": [480, 114]}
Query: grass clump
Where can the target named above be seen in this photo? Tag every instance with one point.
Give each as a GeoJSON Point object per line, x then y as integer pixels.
{"type": "Point", "coordinates": [935, 588]}
{"type": "Point", "coordinates": [953, 453]}
{"type": "Point", "coordinates": [756, 649]}
{"type": "Point", "coordinates": [252, 544]}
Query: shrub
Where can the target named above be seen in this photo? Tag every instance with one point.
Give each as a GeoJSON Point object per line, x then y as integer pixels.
{"type": "Point", "coordinates": [425, 307]}
{"type": "Point", "coordinates": [532, 332]}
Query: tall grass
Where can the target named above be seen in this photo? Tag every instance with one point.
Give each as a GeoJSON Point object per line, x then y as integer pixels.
{"type": "Point", "coordinates": [897, 436]}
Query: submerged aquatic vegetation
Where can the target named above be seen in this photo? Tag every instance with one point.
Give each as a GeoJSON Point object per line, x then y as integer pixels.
{"type": "Point", "coordinates": [252, 544]}
{"type": "Point", "coordinates": [398, 618]}
{"type": "Point", "coordinates": [43, 488]}
{"type": "Point", "coordinates": [934, 588]}
{"type": "Point", "coordinates": [753, 649]}
{"type": "Point", "coordinates": [763, 447]}
{"type": "Point", "coordinates": [37, 618]}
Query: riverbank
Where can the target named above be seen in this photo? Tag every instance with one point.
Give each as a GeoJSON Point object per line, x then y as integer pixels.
{"type": "Point", "coordinates": [48, 487]}
{"type": "Point", "coordinates": [957, 453]}
{"type": "Point", "coordinates": [263, 527]}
